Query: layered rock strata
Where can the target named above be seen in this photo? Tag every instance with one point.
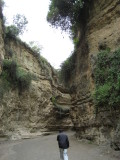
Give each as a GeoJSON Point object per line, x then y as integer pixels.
{"type": "Point", "coordinates": [32, 111]}
{"type": "Point", "coordinates": [102, 31]}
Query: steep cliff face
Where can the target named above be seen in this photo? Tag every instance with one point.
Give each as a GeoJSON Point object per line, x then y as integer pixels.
{"type": "Point", "coordinates": [102, 30]}
{"type": "Point", "coordinates": [103, 25]}
{"type": "Point", "coordinates": [32, 111]}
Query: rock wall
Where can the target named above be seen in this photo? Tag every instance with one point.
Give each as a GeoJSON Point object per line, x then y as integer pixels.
{"type": "Point", "coordinates": [32, 112]}
{"type": "Point", "coordinates": [103, 25]}
{"type": "Point", "coordinates": [102, 30]}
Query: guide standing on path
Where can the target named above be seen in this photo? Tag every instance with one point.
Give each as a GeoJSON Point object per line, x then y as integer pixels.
{"type": "Point", "coordinates": [63, 144]}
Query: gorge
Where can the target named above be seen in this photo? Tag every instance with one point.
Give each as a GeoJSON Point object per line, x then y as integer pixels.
{"type": "Point", "coordinates": [48, 105]}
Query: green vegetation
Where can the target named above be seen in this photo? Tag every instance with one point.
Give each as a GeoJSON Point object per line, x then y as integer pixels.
{"type": "Point", "coordinates": [76, 42]}
{"type": "Point", "coordinates": [35, 46]}
{"type": "Point", "coordinates": [18, 27]}
{"type": "Point", "coordinates": [12, 76]}
{"type": "Point", "coordinates": [34, 49]}
{"type": "Point", "coordinates": [44, 62]}
{"type": "Point", "coordinates": [53, 100]}
{"type": "Point", "coordinates": [9, 70]}
{"type": "Point", "coordinates": [107, 80]}
{"type": "Point", "coordinates": [23, 80]}
{"type": "Point", "coordinates": [67, 69]}
{"type": "Point", "coordinates": [69, 15]}
{"type": "Point", "coordinates": [4, 86]}
{"type": "Point", "coordinates": [20, 22]}
{"type": "Point", "coordinates": [12, 31]}
{"type": "Point", "coordinates": [64, 13]}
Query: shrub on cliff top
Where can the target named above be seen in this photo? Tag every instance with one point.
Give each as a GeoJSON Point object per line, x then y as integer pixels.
{"type": "Point", "coordinates": [11, 31]}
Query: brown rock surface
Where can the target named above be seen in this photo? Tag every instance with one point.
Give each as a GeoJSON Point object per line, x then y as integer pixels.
{"type": "Point", "coordinates": [31, 111]}
{"type": "Point", "coordinates": [101, 31]}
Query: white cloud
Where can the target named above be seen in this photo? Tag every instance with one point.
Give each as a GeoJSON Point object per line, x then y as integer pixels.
{"type": "Point", "coordinates": [56, 46]}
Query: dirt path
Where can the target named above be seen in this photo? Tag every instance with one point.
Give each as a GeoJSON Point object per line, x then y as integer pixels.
{"type": "Point", "coordinates": [45, 148]}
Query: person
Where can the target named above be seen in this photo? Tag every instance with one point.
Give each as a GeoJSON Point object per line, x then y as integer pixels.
{"type": "Point", "coordinates": [63, 143]}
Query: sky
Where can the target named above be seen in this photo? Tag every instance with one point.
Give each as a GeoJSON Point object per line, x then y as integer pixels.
{"type": "Point", "coordinates": [56, 45]}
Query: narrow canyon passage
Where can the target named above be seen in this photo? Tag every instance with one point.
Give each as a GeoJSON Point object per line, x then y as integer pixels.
{"type": "Point", "coordinates": [45, 148]}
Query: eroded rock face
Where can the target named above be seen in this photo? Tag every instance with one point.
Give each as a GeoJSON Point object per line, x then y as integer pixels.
{"type": "Point", "coordinates": [103, 27]}
{"type": "Point", "coordinates": [102, 31]}
{"type": "Point", "coordinates": [31, 112]}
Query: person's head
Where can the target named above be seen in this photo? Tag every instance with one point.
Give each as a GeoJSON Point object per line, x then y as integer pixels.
{"type": "Point", "coordinates": [60, 130]}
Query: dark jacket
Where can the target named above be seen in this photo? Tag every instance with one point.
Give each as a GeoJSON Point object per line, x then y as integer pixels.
{"type": "Point", "coordinates": [63, 141]}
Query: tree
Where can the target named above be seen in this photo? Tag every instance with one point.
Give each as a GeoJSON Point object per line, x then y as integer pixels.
{"type": "Point", "coordinates": [20, 22]}
{"type": "Point", "coordinates": [64, 13]}
{"type": "Point", "coordinates": [18, 27]}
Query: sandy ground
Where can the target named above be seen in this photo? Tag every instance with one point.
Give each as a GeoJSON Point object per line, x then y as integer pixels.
{"type": "Point", "coordinates": [46, 148]}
